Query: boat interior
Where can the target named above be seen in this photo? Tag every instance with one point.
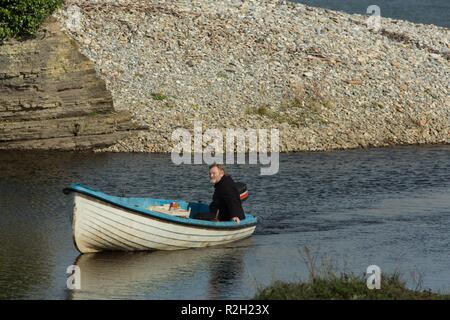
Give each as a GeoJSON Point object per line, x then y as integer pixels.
{"type": "Point", "coordinates": [182, 209]}
{"type": "Point", "coordinates": [149, 204]}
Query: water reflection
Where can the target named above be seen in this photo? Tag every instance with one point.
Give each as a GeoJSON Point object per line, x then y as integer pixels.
{"type": "Point", "coordinates": [224, 273]}
{"type": "Point", "coordinates": [146, 275]}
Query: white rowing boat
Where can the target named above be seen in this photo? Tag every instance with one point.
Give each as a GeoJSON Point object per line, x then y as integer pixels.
{"type": "Point", "coordinates": [103, 222]}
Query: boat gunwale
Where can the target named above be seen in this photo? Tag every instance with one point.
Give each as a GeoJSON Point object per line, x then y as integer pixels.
{"type": "Point", "coordinates": [193, 223]}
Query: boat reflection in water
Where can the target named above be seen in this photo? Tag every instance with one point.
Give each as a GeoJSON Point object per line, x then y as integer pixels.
{"type": "Point", "coordinates": [159, 274]}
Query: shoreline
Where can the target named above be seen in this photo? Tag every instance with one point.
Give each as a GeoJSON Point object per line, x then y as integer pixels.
{"type": "Point", "coordinates": [103, 151]}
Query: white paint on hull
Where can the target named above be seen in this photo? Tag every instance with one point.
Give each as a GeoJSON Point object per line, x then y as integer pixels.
{"type": "Point", "coordinates": [99, 226]}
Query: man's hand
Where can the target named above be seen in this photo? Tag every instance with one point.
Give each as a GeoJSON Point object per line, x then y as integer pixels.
{"type": "Point", "coordinates": [236, 219]}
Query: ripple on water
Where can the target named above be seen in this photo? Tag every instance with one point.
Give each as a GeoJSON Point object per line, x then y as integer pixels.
{"type": "Point", "coordinates": [337, 200]}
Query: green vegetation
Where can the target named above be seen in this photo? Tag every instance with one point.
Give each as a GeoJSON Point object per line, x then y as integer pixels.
{"type": "Point", "coordinates": [159, 96]}
{"type": "Point", "coordinates": [299, 117]}
{"type": "Point", "coordinates": [21, 18]}
{"type": "Point", "coordinates": [280, 117]}
{"type": "Point", "coordinates": [264, 111]}
{"type": "Point", "coordinates": [325, 284]}
{"type": "Point", "coordinates": [310, 97]}
{"type": "Point", "coordinates": [305, 103]}
{"type": "Point", "coordinates": [346, 287]}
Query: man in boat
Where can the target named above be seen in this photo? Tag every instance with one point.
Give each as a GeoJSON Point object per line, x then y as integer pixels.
{"type": "Point", "coordinates": [226, 204]}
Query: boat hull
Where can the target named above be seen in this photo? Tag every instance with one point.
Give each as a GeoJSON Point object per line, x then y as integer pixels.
{"type": "Point", "coordinates": [102, 226]}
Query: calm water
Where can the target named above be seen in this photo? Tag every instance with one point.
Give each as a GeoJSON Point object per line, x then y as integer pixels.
{"type": "Point", "coordinates": [389, 207]}
{"type": "Point", "coordinates": [427, 12]}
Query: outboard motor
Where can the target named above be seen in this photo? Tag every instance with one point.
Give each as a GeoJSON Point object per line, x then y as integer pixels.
{"type": "Point", "coordinates": [242, 189]}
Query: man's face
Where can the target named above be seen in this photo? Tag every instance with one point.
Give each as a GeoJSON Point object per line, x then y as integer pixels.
{"type": "Point", "coordinates": [215, 174]}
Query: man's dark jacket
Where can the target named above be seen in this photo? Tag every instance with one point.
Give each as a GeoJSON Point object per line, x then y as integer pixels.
{"type": "Point", "coordinates": [226, 199]}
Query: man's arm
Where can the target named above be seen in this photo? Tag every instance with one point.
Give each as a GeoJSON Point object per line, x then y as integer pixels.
{"type": "Point", "coordinates": [215, 205]}
{"type": "Point", "coordinates": [232, 204]}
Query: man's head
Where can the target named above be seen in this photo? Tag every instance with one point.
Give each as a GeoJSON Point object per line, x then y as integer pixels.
{"type": "Point", "coordinates": [216, 172]}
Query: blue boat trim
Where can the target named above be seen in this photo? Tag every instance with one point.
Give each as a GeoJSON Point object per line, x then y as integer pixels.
{"type": "Point", "coordinates": [116, 201]}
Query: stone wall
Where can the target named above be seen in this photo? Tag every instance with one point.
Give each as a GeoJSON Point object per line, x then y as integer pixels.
{"type": "Point", "coordinates": [52, 98]}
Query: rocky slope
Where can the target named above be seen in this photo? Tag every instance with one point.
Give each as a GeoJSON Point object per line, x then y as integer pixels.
{"type": "Point", "coordinates": [323, 78]}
